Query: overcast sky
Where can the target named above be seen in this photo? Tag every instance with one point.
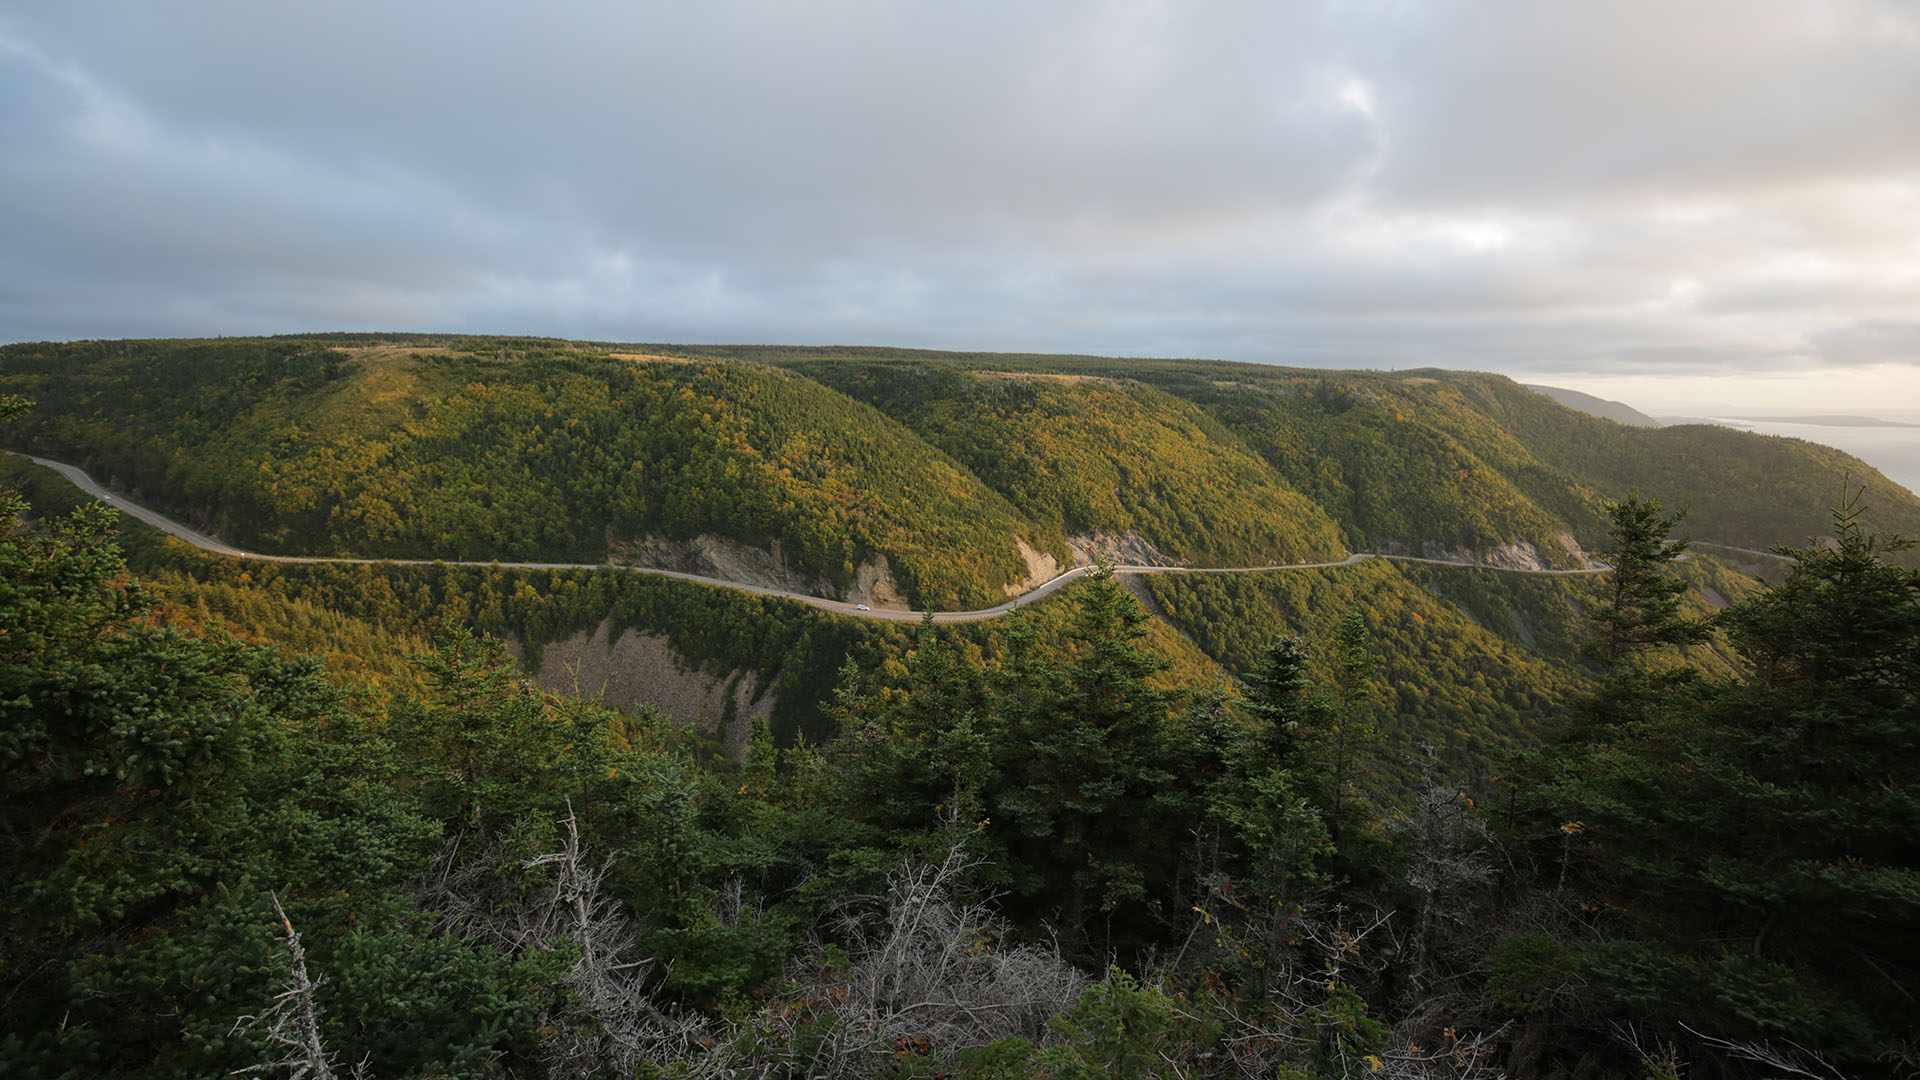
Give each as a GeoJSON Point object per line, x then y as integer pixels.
{"type": "Point", "coordinates": [1724, 194]}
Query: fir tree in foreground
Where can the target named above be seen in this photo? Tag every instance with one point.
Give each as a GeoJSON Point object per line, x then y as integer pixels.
{"type": "Point", "coordinates": [1742, 856]}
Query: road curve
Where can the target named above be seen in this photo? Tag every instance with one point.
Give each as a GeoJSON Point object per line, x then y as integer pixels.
{"type": "Point", "coordinates": [86, 483]}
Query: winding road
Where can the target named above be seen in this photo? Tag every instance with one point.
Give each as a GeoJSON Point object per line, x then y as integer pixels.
{"type": "Point", "coordinates": [86, 483]}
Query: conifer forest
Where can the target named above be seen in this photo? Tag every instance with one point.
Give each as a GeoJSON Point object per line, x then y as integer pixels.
{"type": "Point", "coordinates": [1622, 780]}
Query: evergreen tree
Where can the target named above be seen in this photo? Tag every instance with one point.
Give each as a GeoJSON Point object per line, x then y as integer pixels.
{"type": "Point", "coordinates": [1288, 716]}
{"type": "Point", "coordinates": [1640, 609]}
{"type": "Point", "coordinates": [1352, 735]}
{"type": "Point", "coordinates": [1274, 850]}
{"type": "Point", "coordinates": [158, 785]}
{"type": "Point", "coordinates": [1750, 844]}
{"type": "Point", "coordinates": [480, 736]}
{"type": "Point", "coordinates": [1321, 737]}
{"type": "Point", "coordinates": [1090, 796]}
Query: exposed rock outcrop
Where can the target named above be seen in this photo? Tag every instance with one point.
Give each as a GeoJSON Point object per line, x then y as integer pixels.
{"type": "Point", "coordinates": [715, 556]}
{"type": "Point", "coordinates": [643, 669]}
{"type": "Point", "coordinates": [873, 584]}
{"type": "Point", "coordinates": [1128, 549]}
{"type": "Point", "coordinates": [1512, 555]}
{"type": "Point", "coordinates": [1041, 568]}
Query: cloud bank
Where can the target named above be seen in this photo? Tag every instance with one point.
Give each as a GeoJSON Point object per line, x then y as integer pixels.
{"type": "Point", "coordinates": [1626, 189]}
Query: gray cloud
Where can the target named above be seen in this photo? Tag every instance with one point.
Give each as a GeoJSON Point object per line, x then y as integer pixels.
{"type": "Point", "coordinates": [1637, 186]}
{"type": "Point", "coordinates": [1871, 343]}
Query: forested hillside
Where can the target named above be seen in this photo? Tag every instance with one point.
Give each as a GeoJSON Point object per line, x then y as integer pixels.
{"type": "Point", "coordinates": [1043, 847]}
{"type": "Point", "coordinates": [890, 476]}
{"type": "Point", "coordinates": [366, 619]}
{"type": "Point", "coordinates": [290, 447]}
{"type": "Point", "coordinates": [1748, 490]}
{"type": "Point", "coordinates": [1091, 455]}
{"type": "Point", "coordinates": [932, 479]}
{"type": "Point", "coordinates": [1468, 658]}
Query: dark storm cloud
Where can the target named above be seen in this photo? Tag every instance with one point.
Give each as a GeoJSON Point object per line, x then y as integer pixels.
{"type": "Point", "coordinates": [1634, 186]}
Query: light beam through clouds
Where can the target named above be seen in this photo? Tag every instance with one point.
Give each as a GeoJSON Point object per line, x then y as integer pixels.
{"type": "Point", "coordinates": [1620, 196]}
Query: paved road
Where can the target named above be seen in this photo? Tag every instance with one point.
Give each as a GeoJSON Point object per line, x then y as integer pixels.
{"type": "Point", "coordinates": [200, 540]}
{"type": "Point", "coordinates": [1746, 550]}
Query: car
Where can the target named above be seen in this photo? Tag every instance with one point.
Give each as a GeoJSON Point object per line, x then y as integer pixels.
{"type": "Point", "coordinates": [861, 607]}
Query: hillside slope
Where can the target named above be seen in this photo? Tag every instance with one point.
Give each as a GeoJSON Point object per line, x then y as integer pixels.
{"type": "Point", "coordinates": [1091, 458]}
{"type": "Point", "coordinates": [930, 479]}
{"type": "Point", "coordinates": [1469, 660]}
{"type": "Point", "coordinates": [295, 447]}
{"type": "Point", "coordinates": [1618, 411]}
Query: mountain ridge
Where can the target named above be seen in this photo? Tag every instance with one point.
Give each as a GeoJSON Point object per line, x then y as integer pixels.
{"type": "Point", "coordinates": [939, 480]}
{"type": "Point", "coordinates": [1617, 411]}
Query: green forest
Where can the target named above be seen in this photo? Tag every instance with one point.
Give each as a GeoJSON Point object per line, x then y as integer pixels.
{"type": "Point", "coordinates": [1495, 643]}
{"type": "Point", "coordinates": [834, 463]}
{"type": "Point", "coordinates": [1387, 818]}
{"type": "Point", "coordinates": [1019, 854]}
{"type": "Point", "coordinates": [1084, 455]}
{"type": "Point", "coordinates": [292, 448]}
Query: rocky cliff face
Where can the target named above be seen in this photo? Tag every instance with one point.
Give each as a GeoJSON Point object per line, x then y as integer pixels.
{"type": "Point", "coordinates": [721, 557]}
{"type": "Point", "coordinates": [1041, 568]}
{"type": "Point", "coordinates": [1562, 552]}
{"type": "Point", "coordinates": [1128, 549]}
{"type": "Point", "coordinates": [635, 669]}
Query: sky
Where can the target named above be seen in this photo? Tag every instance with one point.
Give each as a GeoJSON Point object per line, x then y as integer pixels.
{"type": "Point", "coordinates": [1667, 202]}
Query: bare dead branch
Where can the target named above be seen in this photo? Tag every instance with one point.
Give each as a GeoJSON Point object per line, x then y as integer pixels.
{"type": "Point", "coordinates": [294, 1020]}
{"type": "Point", "coordinates": [928, 973]}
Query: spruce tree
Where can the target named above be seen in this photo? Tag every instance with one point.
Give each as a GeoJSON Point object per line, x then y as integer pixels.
{"type": "Point", "coordinates": [1089, 801]}
{"type": "Point", "coordinates": [1287, 715]}
{"type": "Point", "coordinates": [1640, 610]}
{"type": "Point", "coordinates": [1747, 847]}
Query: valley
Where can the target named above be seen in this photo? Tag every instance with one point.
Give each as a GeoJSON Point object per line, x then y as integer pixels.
{"type": "Point", "coordinates": [1332, 715]}
{"type": "Point", "coordinates": [86, 483]}
{"type": "Point", "coordinates": [877, 485]}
